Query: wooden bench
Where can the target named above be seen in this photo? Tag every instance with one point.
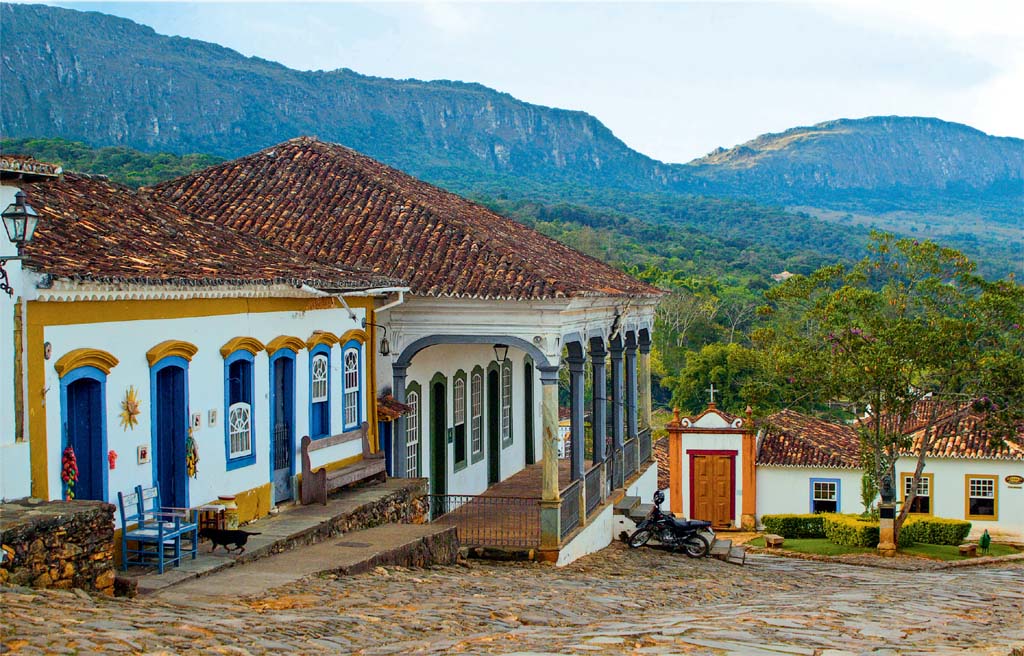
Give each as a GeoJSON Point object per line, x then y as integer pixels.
{"type": "Point", "coordinates": [969, 550]}
{"type": "Point", "coordinates": [316, 484]}
{"type": "Point", "coordinates": [773, 541]}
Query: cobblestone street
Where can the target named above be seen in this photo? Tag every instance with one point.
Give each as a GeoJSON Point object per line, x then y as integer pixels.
{"type": "Point", "coordinates": [617, 601]}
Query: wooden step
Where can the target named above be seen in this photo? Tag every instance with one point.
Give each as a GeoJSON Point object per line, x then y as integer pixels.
{"type": "Point", "coordinates": [720, 549]}
{"type": "Point", "coordinates": [625, 505]}
{"type": "Point", "coordinates": [737, 555]}
{"type": "Point", "coordinates": [640, 511]}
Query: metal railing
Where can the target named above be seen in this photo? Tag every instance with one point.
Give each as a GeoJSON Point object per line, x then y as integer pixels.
{"type": "Point", "coordinates": [617, 472]}
{"type": "Point", "coordinates": [629, 448]}
{"type": "Point", "coordinates": [592, 481]}
{"type": "Point", "coordinates": [569, 514]}
{"type": "Point", "coordinates": [486, 521]}
{"type": "Point", "coordinates": [646, 448]}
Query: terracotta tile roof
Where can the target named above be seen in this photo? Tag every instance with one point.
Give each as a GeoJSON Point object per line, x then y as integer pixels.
{"type": "Point", "coordinates": [661, 455]}
{"type": "Point", "coordinates": [389, 409]}
{"type": "Point", "coordinates": [791, 439]}
{"type": "Point", "coordinates": [25, 165]}
{"type": "Point", "coordinates": [331, 203]}
{"type": "Point", "coordinates": [964, 435]}
{"type": "Point", "coordinates": [93, 229]}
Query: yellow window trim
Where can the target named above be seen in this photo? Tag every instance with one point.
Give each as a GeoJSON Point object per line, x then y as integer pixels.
{"type": "Point", "coordinates": [931, 492]}
{"type": "Point", "coordinates": [994, 517]}
{"type": "Point", "coordinates": [321, 337]}
{"type": "Point", "coordinates": [171, 347]}
{"type": "Point", "coordinates": [355, 333]}
{"type": "Point", "coordinates": [250, 344]}
{"type": "Point", "coordinates": [85, 357]}
{"type": "Point", "coordinates": [293, 344]}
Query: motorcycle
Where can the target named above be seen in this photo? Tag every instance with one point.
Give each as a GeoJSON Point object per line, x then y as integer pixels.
{"type": "Point", "coordinates": [676, 534]}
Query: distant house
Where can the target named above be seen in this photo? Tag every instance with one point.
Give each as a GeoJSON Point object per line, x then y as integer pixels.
{"type": "Point", "coordinates": [802, 464]}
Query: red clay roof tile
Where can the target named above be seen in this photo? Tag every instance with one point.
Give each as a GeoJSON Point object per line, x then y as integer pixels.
{"type": "Point", "coordinates": [93, 229]}
{"type": "Point", "coordinates": [334, 204]}
{"type": "Point", "coordinates": [791, 439]}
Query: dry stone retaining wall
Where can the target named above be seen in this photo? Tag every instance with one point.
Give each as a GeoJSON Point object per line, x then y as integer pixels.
{"type": "Point", "coordinates": [58, 544]}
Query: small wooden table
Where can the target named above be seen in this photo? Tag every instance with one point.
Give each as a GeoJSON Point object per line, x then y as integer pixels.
{"type": "Point", "coordinates": [210, 515]}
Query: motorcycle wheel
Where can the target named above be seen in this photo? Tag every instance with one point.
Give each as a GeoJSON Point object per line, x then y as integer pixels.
{"type": "Point", "coordinates": [696, 546]}
{"type": "Point", "coordinates": [640, 537]}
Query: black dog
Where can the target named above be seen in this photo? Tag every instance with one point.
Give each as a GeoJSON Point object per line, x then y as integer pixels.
{"type": "Point", "coordinates": [224, 537]}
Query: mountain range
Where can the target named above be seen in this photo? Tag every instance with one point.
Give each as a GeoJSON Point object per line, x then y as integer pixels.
{"type": "Point", "coordinates": [109, 81]}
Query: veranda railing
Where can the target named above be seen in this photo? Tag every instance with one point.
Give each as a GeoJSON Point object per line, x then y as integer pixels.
{"type": "Point", "coordinates": [489, 521]}
{"type": "Point", "coordinates": [570, 510]}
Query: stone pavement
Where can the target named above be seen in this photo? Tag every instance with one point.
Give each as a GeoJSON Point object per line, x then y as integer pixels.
{"type": "Point", "coordinates": [616, 601]}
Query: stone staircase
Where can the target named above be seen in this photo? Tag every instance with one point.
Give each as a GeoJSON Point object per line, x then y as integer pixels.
{"type": "Point", "coordinates": [629, 511]}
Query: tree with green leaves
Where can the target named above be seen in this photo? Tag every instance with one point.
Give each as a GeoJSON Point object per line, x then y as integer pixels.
{"type": "Point", "coordinates": [907, 336]}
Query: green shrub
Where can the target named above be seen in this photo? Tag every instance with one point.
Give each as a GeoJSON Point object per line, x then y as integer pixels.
{"type": "Point", "coordinates": [850, 530]}
{"type": "Point", "coordinates": [795, 526]}
{"type": "Point", "coordinates": [935, 530]}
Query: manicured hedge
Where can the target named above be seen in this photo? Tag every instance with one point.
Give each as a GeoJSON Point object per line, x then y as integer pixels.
{"type": "Point", "coordinates": [935, 530]}
{"type": "Point", "coordinates": [795, 526]}
{"type": "Point", "coordinates": [850, 531]}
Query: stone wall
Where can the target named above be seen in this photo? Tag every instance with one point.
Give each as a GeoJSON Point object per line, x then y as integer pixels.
{"type": "Point", "coordinates": [58, 544]}
{"type": "Point", "coordinates": [406, 504]}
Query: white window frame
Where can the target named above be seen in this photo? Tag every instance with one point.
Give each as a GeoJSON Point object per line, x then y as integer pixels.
{"type": "Point", "coordinates": [239, 430]}
{"type": "Point", "coordinates": [476, 426]}
{"type": "Point", "coordinates": [412, 435]}
{"type": "Point", "coordinates": [506, 404]}
{"type": "Point", "coordinates": [321, 371]}
{"type": "Point", "coordinates": [459, 400]}
{"type": "Point", "coordinates": [351, 394]}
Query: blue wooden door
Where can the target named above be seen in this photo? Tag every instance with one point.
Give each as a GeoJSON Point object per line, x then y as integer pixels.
{"type": "Point", "coordinates": [282, 423]}
{"type": "Point", "coordinates": [171, 434]}
{"type": "Point", "coordinates": [85, 435]}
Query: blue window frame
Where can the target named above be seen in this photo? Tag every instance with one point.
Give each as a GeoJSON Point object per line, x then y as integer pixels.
{"type": "Point", "coordinates": [239, 420]}
{"type": "Point", "coordinates": [352, 384]}
{"type": "Point", "coordinates": [320, 391]}
{"type": "Point", "coordinates": [83, 416]}
{"type": "Point", "coordinates": [825, 495]}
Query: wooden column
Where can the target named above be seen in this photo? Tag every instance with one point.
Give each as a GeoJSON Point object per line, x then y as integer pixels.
{"type": "Point", "coordinates": [675, 463]}
{"type": "Point", "coordinates": [748, 519]}
{"type": "Point", "coordinates": [644, 344]}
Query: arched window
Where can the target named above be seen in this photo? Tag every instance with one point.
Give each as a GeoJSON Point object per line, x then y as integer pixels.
{"type": "Point", "coordinates": [459, 414]}
{"type": "Point", "coordinates": [476, 417]}
{"type": "Point", "coordinates": [352, 379]}
{"type": "Point", "coordinates": [412, 435]}
{"type": "Point", "coordinates": [238, 415]}
{"type": "Point", "coordinates": [506, 404]}
{"type": "Point", "coordinates": [319, 392]}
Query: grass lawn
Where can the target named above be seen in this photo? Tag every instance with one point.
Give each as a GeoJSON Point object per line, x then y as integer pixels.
{"type": "Point", "coordinates": [823, 547]}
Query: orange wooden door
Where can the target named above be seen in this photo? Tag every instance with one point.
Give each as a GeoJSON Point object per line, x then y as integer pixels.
{"type": "Point", "coordinates": [712, 489]}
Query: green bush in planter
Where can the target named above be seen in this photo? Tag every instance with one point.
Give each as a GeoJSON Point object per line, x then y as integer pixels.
{"type": "Point", "coordinates": [935, 530]}
{"type": "Point", "coordinates": [795, 526]}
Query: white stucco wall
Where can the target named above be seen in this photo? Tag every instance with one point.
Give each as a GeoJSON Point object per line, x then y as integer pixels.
{"type": "Point", "coordinates": [448, 360]}
{"type": "Point", "coordinates": [596, 535]}
{"type": "Point", "coordinates": [15, 475]}
{"type": "Point", "coordinates": [130, 340]}
{"type": "Point", "coordinates": [784, 490]}
{"type": "Point", "coordinates": [949, 491]}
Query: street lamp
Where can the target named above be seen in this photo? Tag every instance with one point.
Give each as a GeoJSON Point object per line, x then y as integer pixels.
{"type": "Point", "coordinates": [20, 220]}
{"type": "Point", "coordinates": [501, 353]}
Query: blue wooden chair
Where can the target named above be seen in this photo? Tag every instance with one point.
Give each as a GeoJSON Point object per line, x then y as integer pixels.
{"type": "Point", "coordinates": [174, 520]}
{"type": "Point", "coordinates": [145, 541]}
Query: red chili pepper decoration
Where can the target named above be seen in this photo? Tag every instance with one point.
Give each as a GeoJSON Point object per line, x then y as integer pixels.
{"type": "Point", "coordinates": [69, 471]}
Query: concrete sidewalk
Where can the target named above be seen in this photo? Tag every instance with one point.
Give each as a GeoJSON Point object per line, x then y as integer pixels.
{"type": "Point", "coordinates": [409, 545]}
{"type": "Point", "coordinates": [394, 501]}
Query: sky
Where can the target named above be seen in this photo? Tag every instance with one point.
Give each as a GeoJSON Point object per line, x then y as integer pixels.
{"type": "Point", "coordinates": [674, 80]}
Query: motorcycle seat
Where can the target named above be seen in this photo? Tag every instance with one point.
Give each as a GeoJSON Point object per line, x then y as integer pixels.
{"type": "Point", "coordinates": [690, 523]}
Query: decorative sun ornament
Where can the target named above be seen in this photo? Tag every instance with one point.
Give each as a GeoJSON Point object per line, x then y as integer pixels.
{"type": "Point", "coordinates": [130, 410]}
